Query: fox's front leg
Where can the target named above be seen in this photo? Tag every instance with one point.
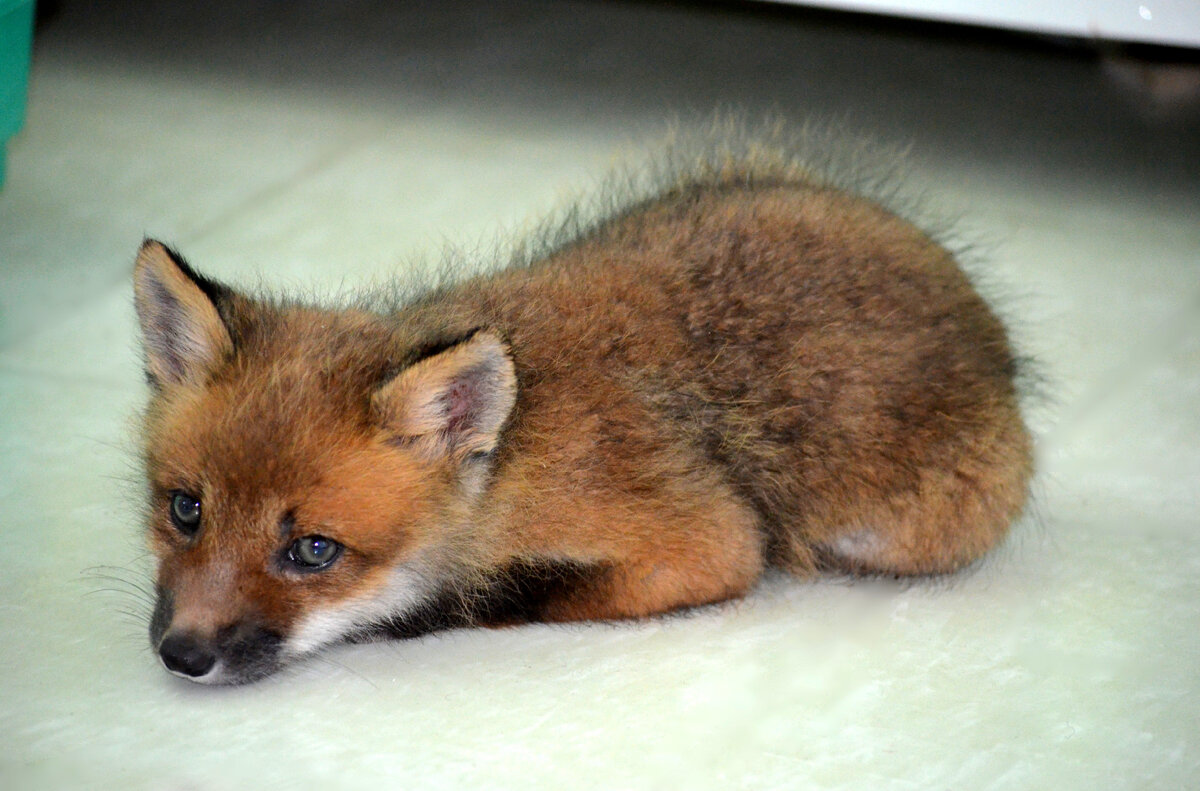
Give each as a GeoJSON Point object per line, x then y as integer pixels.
{"type": "Point", "coordinates": [667, 553]}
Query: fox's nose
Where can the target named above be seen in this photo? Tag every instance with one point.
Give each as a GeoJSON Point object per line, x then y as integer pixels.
{"type": "Point", "coordinates": [187, 655]}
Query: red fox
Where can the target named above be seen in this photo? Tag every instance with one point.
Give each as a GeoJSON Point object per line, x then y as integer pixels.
{"type": "Point", "coordinates": [747, 367]}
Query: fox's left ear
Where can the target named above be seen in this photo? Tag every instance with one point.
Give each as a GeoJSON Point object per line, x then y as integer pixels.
{"type": "Point", "coordinates": [454, 403]}
{"type": "Point", "coordinates": [182, 332]}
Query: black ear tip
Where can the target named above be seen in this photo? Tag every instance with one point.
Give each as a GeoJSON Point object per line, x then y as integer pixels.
{"type": "Point", "coordinates": [159, 253]}
{"type": "Point", "coordinates": [152, 254]}
{"type": "Point", "coordinates": [153, 247]}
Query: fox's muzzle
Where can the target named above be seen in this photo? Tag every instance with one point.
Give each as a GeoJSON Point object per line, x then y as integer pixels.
{"type": "Point", "coordinates": [232, 654]}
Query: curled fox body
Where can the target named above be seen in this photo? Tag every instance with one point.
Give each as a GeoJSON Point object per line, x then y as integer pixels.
{"type": "Point", "coordinates": [749, 368]}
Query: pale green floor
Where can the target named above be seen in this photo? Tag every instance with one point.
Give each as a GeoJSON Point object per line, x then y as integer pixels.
{"type": "Point", "coordinates": [319, 144]}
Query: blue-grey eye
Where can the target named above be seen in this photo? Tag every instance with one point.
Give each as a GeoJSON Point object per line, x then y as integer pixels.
{"type": "Point", "coordinates": [314, 552]}
{"type": "Point", "coordinates": [185, 513]}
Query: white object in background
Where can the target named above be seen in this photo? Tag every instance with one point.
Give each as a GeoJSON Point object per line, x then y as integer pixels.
{"type": "Point", "coordinates": [1165, 22]}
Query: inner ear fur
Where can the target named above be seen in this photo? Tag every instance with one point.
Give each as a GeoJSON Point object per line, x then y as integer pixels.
{"type": "Point", "coordinates": [182, 331]}
{"type": "Point", "coordinates": [454, 403]}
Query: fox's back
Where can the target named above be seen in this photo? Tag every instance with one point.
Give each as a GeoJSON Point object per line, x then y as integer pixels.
{"type": "Point", "coordinates": [806, 342]}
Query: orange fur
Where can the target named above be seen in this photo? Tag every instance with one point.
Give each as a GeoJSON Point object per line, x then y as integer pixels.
{"type": "Point", "coordinates": [752, 368]}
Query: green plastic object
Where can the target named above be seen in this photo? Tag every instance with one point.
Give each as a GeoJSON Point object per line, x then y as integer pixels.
{"type": "Point", "coordinates": [16, 34]}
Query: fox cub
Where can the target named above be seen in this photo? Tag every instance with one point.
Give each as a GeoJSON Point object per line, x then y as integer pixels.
{"type": "Point", "coordinates": [750, 367]}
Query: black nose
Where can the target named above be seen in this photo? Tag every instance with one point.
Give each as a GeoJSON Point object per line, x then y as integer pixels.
{"type": "Point", "coordinates": [184, 653]}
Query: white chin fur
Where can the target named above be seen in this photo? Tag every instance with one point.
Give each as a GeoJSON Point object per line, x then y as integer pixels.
{"type": "Point", "coordinates": [405, 590]}
{"type": "Point", "coordinates": [214, 676]}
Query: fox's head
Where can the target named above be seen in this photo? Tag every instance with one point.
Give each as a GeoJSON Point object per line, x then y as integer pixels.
{"type": "Point", "coordinates": [311, 473]}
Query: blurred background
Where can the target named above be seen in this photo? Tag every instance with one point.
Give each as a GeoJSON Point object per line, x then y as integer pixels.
{"type": "Point", "coordinates": [321, 146]}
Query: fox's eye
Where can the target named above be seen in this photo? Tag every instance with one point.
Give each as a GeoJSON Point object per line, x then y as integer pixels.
{"type": "Point", "coordinates": [185, 513]}
{"type": "Point", "coordinates": [314, 552]}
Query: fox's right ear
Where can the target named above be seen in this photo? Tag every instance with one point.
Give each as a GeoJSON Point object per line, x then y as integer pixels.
{"type": "Point", "coordinates": [182, 332]}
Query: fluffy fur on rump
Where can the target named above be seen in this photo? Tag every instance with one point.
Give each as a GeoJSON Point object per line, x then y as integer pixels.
{"type": "Point", "coordinates": [732, 360]}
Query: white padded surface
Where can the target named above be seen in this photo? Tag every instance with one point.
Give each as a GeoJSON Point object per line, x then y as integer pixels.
{"type": "Point", "coordinates": [318, 144]}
